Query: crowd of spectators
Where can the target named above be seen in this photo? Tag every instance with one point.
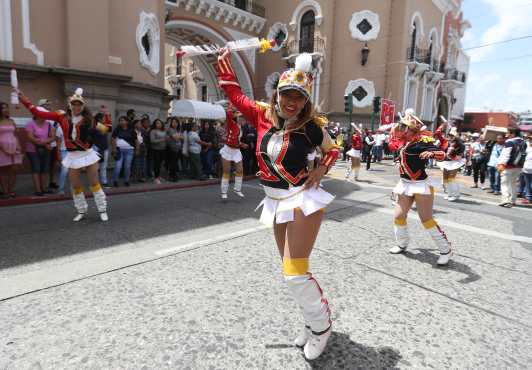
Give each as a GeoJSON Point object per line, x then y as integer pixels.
{"type": "Point", "coordinates": [136, 150]}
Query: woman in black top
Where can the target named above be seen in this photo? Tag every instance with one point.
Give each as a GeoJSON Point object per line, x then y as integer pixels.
{"type": "Point", "coordinates": [208, 151]}
{"type": "Point", "coordinates": [124, 143]}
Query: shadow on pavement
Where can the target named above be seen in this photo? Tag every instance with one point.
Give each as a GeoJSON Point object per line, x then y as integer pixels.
{"type": "Point", "coordinates": [38, 233]}
{"type": "Point", "coordinates": [344, 353]}
{"type": "Point", "coordinates": [425, 256]}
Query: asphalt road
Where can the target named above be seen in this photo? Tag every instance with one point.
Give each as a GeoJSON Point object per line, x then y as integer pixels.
{"type": "Point", "coordinates": [180, 280]}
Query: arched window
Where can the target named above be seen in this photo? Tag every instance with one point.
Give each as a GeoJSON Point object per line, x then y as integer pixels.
{"type": "Point", "coordinates": [306, 33]}
{"type": "Point", "coordinates": [413, 42]}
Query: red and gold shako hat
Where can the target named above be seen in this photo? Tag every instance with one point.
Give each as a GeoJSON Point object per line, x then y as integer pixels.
{"type": "Point", "coordinates": [298, 78]}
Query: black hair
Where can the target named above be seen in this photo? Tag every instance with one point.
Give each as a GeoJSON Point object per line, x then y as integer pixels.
{"type": "Point", "coordinates": [2, 105]}
{"type": "Point", "coordinates": [516, 131]}
{"type": "Point", "coordinates": [154, 124]}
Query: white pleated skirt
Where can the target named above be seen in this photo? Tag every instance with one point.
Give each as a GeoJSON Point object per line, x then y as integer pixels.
{"type": "Point", "coordinates": [80, 159]}
{"type": "Point", "coordinates": [410, 188]}
{"type": "Point", "coordinates": [279, 204]}
{"type": "Point", "coordinates": [231, 154]}
{"type": "Point", "coordinates": [451, 165]}
{"type": "Point", "coordinates": [353, 153]}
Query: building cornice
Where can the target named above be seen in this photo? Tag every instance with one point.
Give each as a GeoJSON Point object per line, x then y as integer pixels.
{"type": "Point", "coordinates": [218, 11]}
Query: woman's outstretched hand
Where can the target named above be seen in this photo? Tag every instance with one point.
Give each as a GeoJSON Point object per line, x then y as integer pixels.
{"type": "Point", "coordinates": [314, 177]}
{"type": "Point", "coordinates": [426, 155]}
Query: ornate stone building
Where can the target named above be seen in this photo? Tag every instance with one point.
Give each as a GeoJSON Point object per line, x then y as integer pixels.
{"type": "Point", "coordinates": [405, 50]}
{"type": "Point", "coordinates": [123, 51]}
{"type": "Point", "coordinates": [110, 48]}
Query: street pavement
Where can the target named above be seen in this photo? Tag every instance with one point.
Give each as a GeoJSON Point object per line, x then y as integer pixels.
{"type": "Point", "coordinates": [179, 280]}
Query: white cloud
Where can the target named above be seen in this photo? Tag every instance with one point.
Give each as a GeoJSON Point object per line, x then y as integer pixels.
{"type": "Point", "coordinates": [513, 20]}
{"type": "Point", "coordinates": [496, 92]}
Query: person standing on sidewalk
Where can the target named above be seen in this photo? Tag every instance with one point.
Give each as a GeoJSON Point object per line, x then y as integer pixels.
{"type": "Point", "coordinates": [510, 165]}
{"type": "Point", "coordinates": [104, 125]}
{"type": "Point", "coordinates": [369, 141]}
{"type": "Point", "coordinates": [10, 153]}
{"type": "Point", "coordinates": [378, 148]}
{"type": "Point", "coordinates": [495, 149]}
{"type": "Point", "coordinates": [124, 142]}
{"type": "Point", "coordinates": [158, 148]}
{"type": "Point", "coordinates": [478, 160]}
{"type": "Point", "coordinates": [527, 172]}
{"type": "Point", "coordinates": [40, 135]}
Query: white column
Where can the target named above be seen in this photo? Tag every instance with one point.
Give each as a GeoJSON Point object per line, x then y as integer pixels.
{"type": "Point", "coordinates": [6, 32]}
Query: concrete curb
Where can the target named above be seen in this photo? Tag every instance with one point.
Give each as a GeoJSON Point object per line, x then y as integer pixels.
{"type": "Point", "coordinates": [25, 200]}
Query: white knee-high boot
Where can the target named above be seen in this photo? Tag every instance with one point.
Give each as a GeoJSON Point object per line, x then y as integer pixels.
{"type": "Point", "coordinates": [224, 185]}
{"type": "Point", "coordinates": [440, 240]}
{"type": "Point", "coordinates": [400, 229]}
{"type": "Point", "coordinates": [239, 177]}
{"type": "Point", "coordinates": [80, 203]}
{"type": "Point", "coordinates": [101, 201]}
{"type": "Point", "coordinates": [314, 306]}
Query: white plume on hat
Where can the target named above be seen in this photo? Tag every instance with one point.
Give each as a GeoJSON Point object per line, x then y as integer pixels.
{"type": "Point", "coordinates": [78, 96]}
{"type": "Point", "coordinates": [303, 62]}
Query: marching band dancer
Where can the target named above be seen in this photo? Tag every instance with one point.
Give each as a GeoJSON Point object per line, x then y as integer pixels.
{"type": "Point", "coordinates": [453, 161]}
{"type": "Point", "coordinates": [415, 148]}
{"type": "Point", "coordinates": [77, 124]}
{"type": "Point", "coordinates": [354, 153]}
{"type": "Point", "coordinates": [231, 153]}
{"type": "Point", "coordinates": [288, 130]}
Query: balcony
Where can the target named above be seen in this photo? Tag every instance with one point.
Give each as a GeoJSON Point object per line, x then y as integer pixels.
{"type": "Point", "coordinates": [418, 55]}
{"type": "Point", "coordinates": [315, 45]}
{"type": "Point", "coordinates": [245, 14]}
{"type": "Point", "coordinates": [454, 74]}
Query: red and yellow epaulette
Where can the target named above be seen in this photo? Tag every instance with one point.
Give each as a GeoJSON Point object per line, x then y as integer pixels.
{"type": "Point", "coordinates": [262, 106]}
{"type": "Point", "coordinates": [320, 120]}
{"type": "Point", "coordinates": [427, 139]}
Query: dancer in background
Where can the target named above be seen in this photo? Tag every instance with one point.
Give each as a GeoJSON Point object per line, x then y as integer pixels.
{"type": "Point", "coordinates": [453, 161]}
{"type": "Point", "coordinates": [231, 153]}
{"type": "Point", "coordinates": [415, 148]}
{"type": "Point", "coordinates": [288, 130]}
{"type": "Point", "coordinates": [354, 153]}
{"type": "Point", "coordinates": [77, 125]}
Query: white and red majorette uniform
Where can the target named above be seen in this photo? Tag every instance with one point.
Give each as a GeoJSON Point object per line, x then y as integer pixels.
{"type": "Point", "coordinates": [231, 149]}
{"type": "Point", "coordinates": [77, 136]}
{"type": "Point", "coordinates": [412, 168]}
{"type": "Point", "coordinates": [454, 150]}
{"type": "Point", "coordinates": [356, 146]}
{"type": "Point", "coordinates": [282, 157]}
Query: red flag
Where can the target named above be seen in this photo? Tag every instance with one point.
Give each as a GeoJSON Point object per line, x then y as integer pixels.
{"type": "Point", "coordinates": [387, 111]}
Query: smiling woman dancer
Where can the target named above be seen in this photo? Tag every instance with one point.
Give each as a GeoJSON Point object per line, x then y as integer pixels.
{"type": "Point", "coordinates": [77, 124]}
{"type": "Point", "coordinates": [288, 130]}
{"type": "Point", "coordinates": [415, 148]}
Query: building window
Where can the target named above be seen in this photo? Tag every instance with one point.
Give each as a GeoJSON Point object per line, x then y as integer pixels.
{"type": "Point", "coordinates": [413, 42]}
{"type": "Point", "coordinates": [306, 34]}
{"type": "Point", "coordinates": [241, 4]}
{"type": "Point", "coordinates": [204, 93]}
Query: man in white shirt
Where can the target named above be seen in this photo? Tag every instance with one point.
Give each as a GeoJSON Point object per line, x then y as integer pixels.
{"type": "Point", "coordinates": [379, 138]}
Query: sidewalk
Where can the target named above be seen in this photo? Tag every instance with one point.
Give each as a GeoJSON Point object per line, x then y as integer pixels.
{"type": "Point", "coordinates": [25, 189]}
